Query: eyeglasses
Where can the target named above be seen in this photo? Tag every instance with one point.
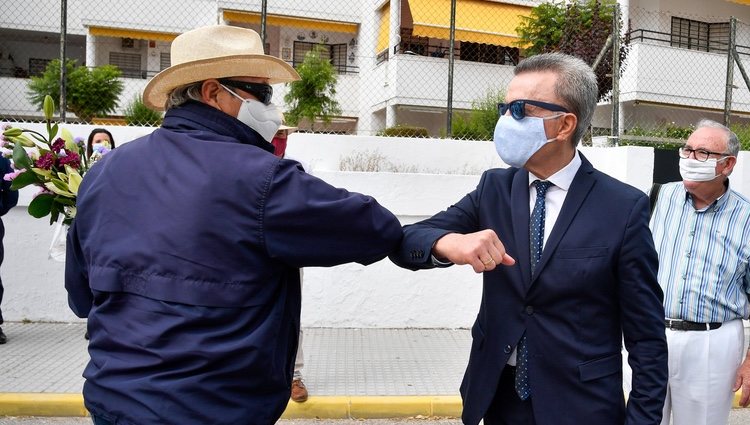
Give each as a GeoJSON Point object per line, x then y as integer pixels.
{"type": "Point", "coordinates": [262, 92]}
{"type": "Point", "coordinates": [518, 107]}
{"type": "Point", "coordinates": [701, 155]}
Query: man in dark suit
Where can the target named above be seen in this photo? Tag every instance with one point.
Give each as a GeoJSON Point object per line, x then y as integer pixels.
{"type": "Point", "coordinates": [8, 200]}
{"type": "Point", "coordinates": [569, 267]}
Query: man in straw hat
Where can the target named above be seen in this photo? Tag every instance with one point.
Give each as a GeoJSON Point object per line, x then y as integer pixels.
{"type": "Point", "coordinates": [186, 249]}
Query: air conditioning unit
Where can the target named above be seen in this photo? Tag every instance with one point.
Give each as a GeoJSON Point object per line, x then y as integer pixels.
{"type": "Point", "coordinates": [130, 43]}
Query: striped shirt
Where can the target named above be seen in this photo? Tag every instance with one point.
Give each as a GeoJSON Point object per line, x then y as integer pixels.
{"type": "Point", "coordinates": [703, 255]}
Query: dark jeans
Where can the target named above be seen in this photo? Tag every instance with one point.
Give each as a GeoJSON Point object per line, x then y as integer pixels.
{"type": "Point", "coordinates": [1, 298]}
{"type": "Point", "coordinates": [507, 408]}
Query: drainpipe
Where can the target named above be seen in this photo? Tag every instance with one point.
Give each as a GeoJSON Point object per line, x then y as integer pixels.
{"type": "Point", "coordinates": [63, 32]}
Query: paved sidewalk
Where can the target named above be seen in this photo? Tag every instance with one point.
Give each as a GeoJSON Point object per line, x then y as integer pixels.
{"type": "Point", "coordinates": [348, 372]}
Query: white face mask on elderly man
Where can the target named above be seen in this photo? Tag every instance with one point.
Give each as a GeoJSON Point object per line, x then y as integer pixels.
{"type": "Point", "coordinates": [699, 171]}
{"type": "Point", "coordinates": [265, 119]}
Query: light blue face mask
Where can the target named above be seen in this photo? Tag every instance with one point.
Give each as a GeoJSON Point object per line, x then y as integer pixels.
{"type": "Point", "coordinates": [518, 140]}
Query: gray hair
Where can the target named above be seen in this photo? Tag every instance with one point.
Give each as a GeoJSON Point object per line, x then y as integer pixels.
{"type": "Point", "coordinates": [576, 85]}
{"type": "Point", "coordinates": [733, 142]}
{"type": "Point", "coordinates": [182, 94]}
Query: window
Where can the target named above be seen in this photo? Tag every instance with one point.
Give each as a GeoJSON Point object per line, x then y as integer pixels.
{"type": "Point", "coordinates": [37, 66]}
{"type": "Point", "coordinates": [335, 53]}
{"type": "Point", "coordinates": [697, 35]}
{"type": "Point", "coordinates": [689, 34]}
{"type": "Point", "coordinates": [413, 45]}
{"type": "Point", "coordinates": [129, 64]}
{"type": "Point", "coordinates": [488, 53]}
{"type": "Point", "coordinates": [164, 60]}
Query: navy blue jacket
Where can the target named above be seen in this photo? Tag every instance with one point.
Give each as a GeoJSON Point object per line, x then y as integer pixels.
{"type": "Point", "coordinates": [185, 256]}
{"type": "Point", "coordinates": [594, 285]}
{"type": "Point", "coordinates": [8, 200]}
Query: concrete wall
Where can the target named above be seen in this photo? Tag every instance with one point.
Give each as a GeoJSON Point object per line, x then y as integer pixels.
{"type": "Point", "coordinates": [351, 295]}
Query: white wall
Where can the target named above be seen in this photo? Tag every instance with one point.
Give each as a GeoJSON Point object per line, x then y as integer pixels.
{"type": "Point", "coordinates": [380, 295]}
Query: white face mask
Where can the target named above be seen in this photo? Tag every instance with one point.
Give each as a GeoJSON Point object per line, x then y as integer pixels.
{"type": "Point", "coordinates": [265, 119]}
{"type": "Point", "coordinates": [518, 140]}
{"type": "Point", "coordinates": [699, 171]}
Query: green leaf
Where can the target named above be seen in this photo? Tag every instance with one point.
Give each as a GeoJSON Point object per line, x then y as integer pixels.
{"type": "Point", "coordinates": [74, 179]}
{"type": "Point", "coordinates": [65, 201]}
{"type": "Point", "coordinates": [59, 188]}
{"type": "Point", "coordinates": [66, 135]}
{"type": "Point", "coordinates": [54, 215]}
{"type": "Point", "coordinates": [20, 157]}
{"type": "Point", "coordinates": [42, 172]}
{"type": "Point", "coordinates": [53, 131]}
{"type": "Point", "coordinates": [41, 205]}
{"type": "Point", "coordinates": [24, 179]}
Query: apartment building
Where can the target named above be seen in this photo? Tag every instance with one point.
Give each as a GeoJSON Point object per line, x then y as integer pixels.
{"type": "Point", "coordinates": [392, 56]}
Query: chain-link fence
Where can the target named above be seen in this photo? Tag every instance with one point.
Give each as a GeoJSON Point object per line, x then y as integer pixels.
{"type": "Point", "coordinates": [397, 69]}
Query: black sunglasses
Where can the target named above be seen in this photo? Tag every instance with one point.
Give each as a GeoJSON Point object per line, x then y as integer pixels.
{"type": "Point", "coordinates": [518, 107]}
{"type": "Point", "coordinates": [262, 92]}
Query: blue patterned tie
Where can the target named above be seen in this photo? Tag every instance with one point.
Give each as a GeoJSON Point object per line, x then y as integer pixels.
{"type": "Point", "coordinates": [536, 243]}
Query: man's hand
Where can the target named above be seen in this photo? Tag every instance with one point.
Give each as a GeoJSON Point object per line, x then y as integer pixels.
{"type": "Point", "coordinates": [482, 250]}
{"type": "Point", "coordinates": [743, 381]}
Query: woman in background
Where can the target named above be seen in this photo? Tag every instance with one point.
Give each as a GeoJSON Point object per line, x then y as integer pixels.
{"type": "Point", "coordinates": [99, 137]}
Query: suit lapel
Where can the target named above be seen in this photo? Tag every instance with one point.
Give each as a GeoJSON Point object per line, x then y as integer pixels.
{"type": "Point", "coordinates": [520, 216]}
{"type": "Point", "coordinates": [579, 190]}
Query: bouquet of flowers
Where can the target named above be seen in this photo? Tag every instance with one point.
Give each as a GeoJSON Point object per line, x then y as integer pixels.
{"type": "Point", "coordinates": [55, 163]}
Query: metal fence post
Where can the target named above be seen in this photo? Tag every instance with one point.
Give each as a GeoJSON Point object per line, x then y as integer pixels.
{"type": "Point", "coordinates": [730, 70]}
{"type": "Point", "coordinates": [63, 68]}
{"type": "Point", "coordinates": [451, 42]}
{"type": "Point", "coordinates": [616, 76]}
{"type": "Point", "coordinates": [263, 13]}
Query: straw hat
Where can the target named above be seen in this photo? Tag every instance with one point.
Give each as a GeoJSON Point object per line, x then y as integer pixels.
{"type": "Point", "coordinates": [288, 128]}
{"type": "Point", "coordinates": [216, 51]}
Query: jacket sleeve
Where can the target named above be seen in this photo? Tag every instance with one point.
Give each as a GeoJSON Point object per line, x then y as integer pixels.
{"type": "Point", "coordinates": [415, 250]}
{"type": "Point", "coordinates": [80, 297]}
{"type": "Point", "coordinates": [8, 197]}
{"type": "Point", "coordinates": [308, 222]}
{"type": "Point", "coordinates": [642, 310]}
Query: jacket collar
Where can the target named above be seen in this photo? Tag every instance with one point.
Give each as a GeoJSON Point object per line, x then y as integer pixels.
{"type": "Point", "coordinates": [194, 115]}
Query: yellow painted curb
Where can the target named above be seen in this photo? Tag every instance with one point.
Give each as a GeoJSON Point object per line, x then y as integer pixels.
{"type": "Point", "coordinates": [316, 407]}
{"type": "Point", "coordinates": [41, 404]}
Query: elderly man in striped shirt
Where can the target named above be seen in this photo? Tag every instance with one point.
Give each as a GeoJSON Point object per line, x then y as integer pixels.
{"type": "Point", "coordinates": [701, 230]}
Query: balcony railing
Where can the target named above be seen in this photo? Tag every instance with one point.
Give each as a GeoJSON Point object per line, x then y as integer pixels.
{"type": "Point", "coordinates": [712, 45]}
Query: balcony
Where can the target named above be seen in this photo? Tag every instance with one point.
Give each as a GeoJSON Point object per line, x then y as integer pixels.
{"type": "Point", "coordinates": [664, 69]}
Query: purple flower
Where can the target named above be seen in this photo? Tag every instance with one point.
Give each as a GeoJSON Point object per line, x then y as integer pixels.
{"type": "Point", "coordinates": [71, 159]}
{"type": "Point", "coordinates": [58, 145]}
{"type": "Point", "coordinates": [45, 161]}
{"type": "Point", "coordinates": [79, 141]}
{"type": "Point", "coordinates": [100, 149]}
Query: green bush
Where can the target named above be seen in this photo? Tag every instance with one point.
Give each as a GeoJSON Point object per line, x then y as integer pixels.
{"type": "Point", "coordinates": [479, 123]}
{"type": "Point", "coordinates": [89, 92]}
{"type": "Point", "coordinates": [672, 131]}
{"type": "Point", "coordinates": [137, 113]}
{"type": "Point", "coordinates": [313, 96]}
{"type": "Point", "coordinates": [404, 131]}
{"type": "Point", "coordinates": [743, 133]}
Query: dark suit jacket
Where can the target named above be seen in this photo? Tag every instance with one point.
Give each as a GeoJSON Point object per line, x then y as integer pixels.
{"type": "Point", "coordinates": [596, 281]}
